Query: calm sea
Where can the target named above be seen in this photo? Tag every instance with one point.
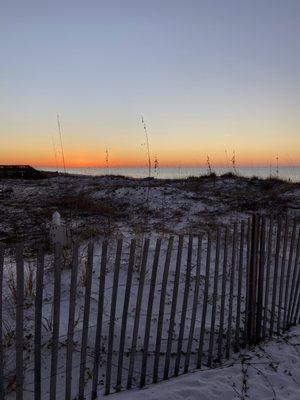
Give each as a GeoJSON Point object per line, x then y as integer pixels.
{"type": "Point", "coordinates": [291, 173]}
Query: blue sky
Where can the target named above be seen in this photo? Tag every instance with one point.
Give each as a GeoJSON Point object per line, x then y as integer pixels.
{"type": "Point", "coordinates": [208, 76]}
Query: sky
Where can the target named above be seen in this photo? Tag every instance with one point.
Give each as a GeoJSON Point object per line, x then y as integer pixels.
{"type": "Point", "coordinates": [209, 77]}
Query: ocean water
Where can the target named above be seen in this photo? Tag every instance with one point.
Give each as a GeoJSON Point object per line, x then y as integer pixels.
{"type": "Point", "coordinates": [288, 173]}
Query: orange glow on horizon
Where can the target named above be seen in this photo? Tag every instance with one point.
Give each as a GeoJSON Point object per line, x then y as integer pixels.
{"type": "Point", "coordinates": [135, 157]}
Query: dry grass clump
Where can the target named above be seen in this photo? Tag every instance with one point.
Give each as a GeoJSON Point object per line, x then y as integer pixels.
{"type": "Point", "coordinates": [79, 204]}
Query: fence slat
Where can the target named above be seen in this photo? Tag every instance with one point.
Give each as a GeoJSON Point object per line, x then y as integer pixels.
{"type": "Point", "coordinates": [125, 313]}
{"type": "Point", "coordinates": [137, 312]}
{"type": "Point", "coordinates": [283, 262]}
{"type": "Point", "coordinates": [239, 291]}
{"type": "Point", "coordinates": [149, 312]}
{"type": "Point", "coordinates": [293, 281]}
{"type": "Point", "coordinates": [86, 317]}
{"type": "Point", "coordinates": [38, 323]}
{"type": "Point", "coordinates": [173, 307]}
{"type": "Point", "coordinates": [275, 277]}
{"type": "Point", "coordinates": [110, 346]}
{"type": "Point", "coordinates": [99, 319]}
{"type": "Point", "coordinates": [204, 306]}
{"type": "Point", "coordinates": [195, 305]}
{"type": "Point", "coordinates": [71, 320]}
{"type": "Point", "coordinates": [296, 318]}
{"type": "Point", "coordinates": [56, 317]}
{"type": "Point", "coordinates": [296, 286]}
{"type": "Point", "coordinates": [19, 321]}
{"type": "Point", "coordinates": [246, 323]}
{"type": "Point", "coordinates": [161, 308]}
{"type": "Point", "coordinates": [255, 276]}
{"type": "Point", "coordinates": [184, 305]}
{"type": "Point", "coordinates": [260, 283]}
{"type": "Point", "coordinates": [288, 274]}
{"type": "Point", "coordinates": [231, 288]}
{"type": "Point", "coordinates": [223, 295]}
{"type": "Point", "coordinates": [214, 305]}
{"type": "Point", "coordinates": [1, 321]}
{"type": "Point", "coordinates": [268, 272]}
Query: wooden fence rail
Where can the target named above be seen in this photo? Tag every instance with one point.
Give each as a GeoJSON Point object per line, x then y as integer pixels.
{"type": "Point", "coordinates": [83, 322]}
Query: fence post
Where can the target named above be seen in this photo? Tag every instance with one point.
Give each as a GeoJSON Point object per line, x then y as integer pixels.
{"type": "Point", "coordinates": [56, 317]}
{"type": "Point", "coordinates": [1, 322]}
{"type": "Point", "coordinates": [38, 323]}
{"type": "Point", "coordinates": [99, 319]}
{"type": "Point", "coordinates": [173, 307]}
{"type": "Point", "coordinates": [184, 305]}
{"type": "Point", "coordinates": [195, 304]}
{"type": "Point", "coordinates": [149, 312]}
{"type": "Point", "coordinates": [110, 346]}
{"type": "Point", "coordinates": [204, 306]}
{"type": "Point", "coordinates": [19, 322]}
{"type": "Point", "coordinates": [161, 308]}
{"type": "Point", "coordinates": [125, 313]}
{"type": "Point", "coordinates": [70, 335]}
{"type": "Point", "coordinates": [137, 312]}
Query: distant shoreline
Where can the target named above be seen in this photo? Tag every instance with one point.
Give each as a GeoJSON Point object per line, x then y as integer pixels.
{"type": "Point", "coordinates": [283, 173]}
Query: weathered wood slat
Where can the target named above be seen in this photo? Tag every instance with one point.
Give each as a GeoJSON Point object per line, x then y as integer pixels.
{"type": "Point", "coordinates": [297, 287]}
{"type": "Point", "coordinates": [293, 283]}
{"type": "Point", "coordinates": [239, 289]}
{"type": "Point", "coordinates": [173, 307]}
{"type": "Point", "coordinates": [125, 313]}
{"type": "Point", "coordinates": [184, 305]}
{"type": "Point", "coordinates": [281, 280]}
{"type": "Point", "coordinates": [275, 276]}
{"type": "Point", "coordinates": [254, 276]}
{"type": "Point", "coordinates": [19, 322]}
{"type": "Point", "coordinates": [260, 283]}
{"type": "Point", "coordinates": [288, 275]}
{"type": "Point", "coordinates": [97, 352]}
{"type": "Point", "coordinates": [38, 323]}
{"type": "Point", "coordinates": [231, 289]}
{"type": "Point", "coordinates": [149, 312]}
{"type": "Point", "coordinates": [86, 317]}
{"type": "Point", "coordinates": [162, 307]}
{"type": "Point", "coordinates": [246, 324]}
{"type": "Point", "coordinates": [268, 274]}
{"type": "Point", "coordinates": [195, 305]}
{"type": "Point", "coordinates": [223, 296]}
{"type": "Point", "coordinates": [1, 322]}
{"type": "Point", "coordinates": [204, 305]}
{"type": "Point", "coordinates": [56, 319]}
{"type": "Point", "coordinates": [215, 299]}
{"type": "Point", "coordinates": [71, 320]}
{"type": "Point", "coordinates": [137, 312]}
{"type": "Point", "coordinates": [110, 346]}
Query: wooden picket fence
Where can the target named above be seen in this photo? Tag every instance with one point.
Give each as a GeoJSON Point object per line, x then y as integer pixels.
{"type": "Point", "coordinates": [217, 292]}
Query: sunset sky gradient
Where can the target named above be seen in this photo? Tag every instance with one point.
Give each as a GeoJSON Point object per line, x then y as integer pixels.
{"type": "Point", "coordinates": [209, 77]}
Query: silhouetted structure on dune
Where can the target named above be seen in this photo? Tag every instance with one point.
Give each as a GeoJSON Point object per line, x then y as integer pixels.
{"type": "Point", "coordinates": [20, 172]}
